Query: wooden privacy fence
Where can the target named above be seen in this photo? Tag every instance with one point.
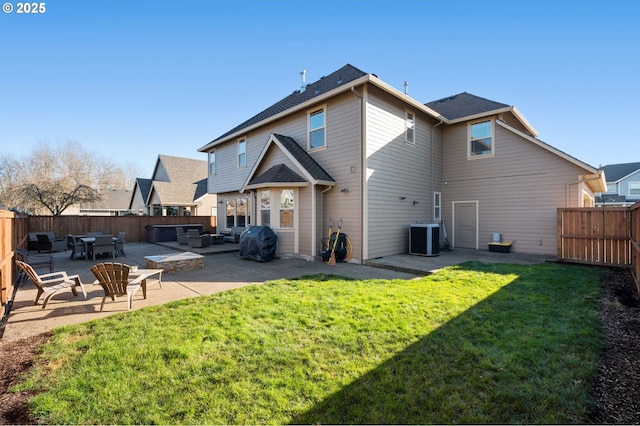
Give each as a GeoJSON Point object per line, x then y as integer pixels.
{"type": "Point", "coordinates": [601, 236]}
{"type": "Point", "coordinates": [6, 255]}
{"type": "Point", "coordinates": [134, 226]}
{"type": "Point", "coordinates": [635, 243]}
{"type": "Point", "coordinates": [14, 233]}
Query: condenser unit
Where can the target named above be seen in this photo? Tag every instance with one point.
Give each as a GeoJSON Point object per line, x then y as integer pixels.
{"type": "Point", "coordinates": [424, 239]}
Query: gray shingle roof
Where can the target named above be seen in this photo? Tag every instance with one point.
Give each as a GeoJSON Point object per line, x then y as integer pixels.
{"type": "Point", "coordinates": [278, 174]}
{"type": "Point", "coordinates": [327, 83]}
{"type": "Point", "coordinates": [145, 186]}
{"type": "Point", "coordinates": [615, 172]}
{"type": "Point", "coordinates": [303, 157]}
{"type": "Point", "coordinates": [463, 105]}
{"type": "Point", "coordinates": [115, 199]}
{"type": "Point", "coordinates": [183, 170]}
{"type": "Point", "coordinates": [177, 194]}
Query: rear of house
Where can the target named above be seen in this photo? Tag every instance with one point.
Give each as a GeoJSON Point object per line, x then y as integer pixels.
{"type": "Point", "coordinates": [351, 147]}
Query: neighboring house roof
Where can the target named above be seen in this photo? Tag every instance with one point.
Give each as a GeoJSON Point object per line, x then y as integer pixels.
{"type": "Point", "coordinates": [176, 181]}
{"type": "Point", "coordinates": [145, 186]}
{"type": "Point", "coordinates": [312, 172]}
{"type": "Point", "coordinates": [111, 200]}
{"type": "Point", "coordinates": [201, 189]}
{"type": "Point", "coordinates": [179, 169]}
{"type": "Point", "coordinates": [175, 194]}
{"type": "Point", "coordinates": [617, 172]}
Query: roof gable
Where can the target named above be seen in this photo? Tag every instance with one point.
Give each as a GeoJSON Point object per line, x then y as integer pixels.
{"type": "Point", "coordinates": [144, 186]}
{"type": "Point", "coordinates": [311, 171]}
{"type": "Point", "coordinates": [276, 175]}
{"type": "Point", "coordinates": [464, 105]}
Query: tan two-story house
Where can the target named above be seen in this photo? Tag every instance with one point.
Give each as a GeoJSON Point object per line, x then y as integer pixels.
{"type": "Point", "coordinates": [350, 146]}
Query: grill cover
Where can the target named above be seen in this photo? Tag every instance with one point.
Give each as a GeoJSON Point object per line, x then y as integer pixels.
{"type": "Point", "coordinates": [258, 243]}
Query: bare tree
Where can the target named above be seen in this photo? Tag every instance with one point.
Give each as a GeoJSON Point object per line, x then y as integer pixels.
{"type": "Point", "coordinates": [57, 176]}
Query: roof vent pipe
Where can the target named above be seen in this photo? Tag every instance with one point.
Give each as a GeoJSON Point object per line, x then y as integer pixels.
{"type": "Point", "coordinates": [303, 84]}
{"type": "Point", "coordinates": [406, 87]}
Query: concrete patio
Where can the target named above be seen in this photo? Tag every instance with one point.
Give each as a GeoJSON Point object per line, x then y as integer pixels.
{"type": "Point", "coordinates": [223, 270]}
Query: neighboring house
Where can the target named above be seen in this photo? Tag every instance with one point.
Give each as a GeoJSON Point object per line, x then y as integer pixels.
{"type": "Point", "coordinates": [138, 202]}
{"type": "Point", "coordinates": [349, 146]}
{"type": "Point", "coordinates": [623, 185]}
{"type": "Point", "coordinates": [178, 187]}
{"type": "Point", "coordinates": [112, 203]}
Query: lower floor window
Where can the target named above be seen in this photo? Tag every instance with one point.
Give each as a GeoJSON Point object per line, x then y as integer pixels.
{"type": "Point", "coordinates": [237, 212]}
{"type": "Point", "coordinates": [286, 208]}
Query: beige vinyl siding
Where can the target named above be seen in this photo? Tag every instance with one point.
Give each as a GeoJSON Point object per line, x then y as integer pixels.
{"type": "Point", "coordinates": [519, 189]}
{"type": "Point", "coordinates": [341, 159]}
{"type": "Point", "coordinates": [396, 169]}
{"type": "Point", "coordinates": [229, 177]}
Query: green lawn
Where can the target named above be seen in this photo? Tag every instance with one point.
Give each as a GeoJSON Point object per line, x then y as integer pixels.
{"type": "Point", "coordinates": [476, 343]}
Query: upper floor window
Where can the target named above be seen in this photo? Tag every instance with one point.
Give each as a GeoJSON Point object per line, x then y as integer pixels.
{"type": "Point", "coordinates": [480, 139]}
{"type": "Point", "coordinates": [212, 163]}
{"type": "Point", "coordinates": [612, 188]}
{"type": "Point", "coordinates": [410, 124]}
{"type": "Point", "coordinates": [317, 124]}
{"type": "Point", "coordinates": [242, 153]}
{"type": "Point", "coordinates": [634, 189]}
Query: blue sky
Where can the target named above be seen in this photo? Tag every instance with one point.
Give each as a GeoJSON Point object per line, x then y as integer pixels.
{"type": "Point", "coordinates": [131, 80]}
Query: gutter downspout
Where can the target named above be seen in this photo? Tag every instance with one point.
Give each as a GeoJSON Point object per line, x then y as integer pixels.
{"type": "Point", "coordinates": [315, 233]}
{"type": "Point", "coordinates": [364, 253]}
{"type": "Point", "coordinates": [431, 167]}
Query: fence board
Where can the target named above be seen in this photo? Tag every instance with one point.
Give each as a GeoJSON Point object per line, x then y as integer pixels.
{"type": "Point", "coordinates": [595, 236]}
{"type": "Point", "coordinates": [134, 226]}
{"type": "Point", "coordinates": [6, 255]}
{"type": "Point", "coordinates": [635, 243]}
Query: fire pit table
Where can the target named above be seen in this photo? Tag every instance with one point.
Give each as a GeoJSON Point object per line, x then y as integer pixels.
{"type": "Point", "coordinates": [175, 261]}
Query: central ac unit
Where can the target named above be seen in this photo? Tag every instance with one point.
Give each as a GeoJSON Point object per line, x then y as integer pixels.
{"type": "Point", "coordinates": [424, 239]}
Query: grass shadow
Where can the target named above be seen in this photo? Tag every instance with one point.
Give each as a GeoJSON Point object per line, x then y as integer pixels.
{"type": "Point", "coordinates": [525, 354]}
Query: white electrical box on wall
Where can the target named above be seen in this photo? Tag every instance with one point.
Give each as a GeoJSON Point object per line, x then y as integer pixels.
{"type": "Point", "coordinates": [424, 239]}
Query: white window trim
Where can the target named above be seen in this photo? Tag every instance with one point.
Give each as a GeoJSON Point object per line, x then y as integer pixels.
{"type": "Point", "coordinates": [238, 142]}
{"type": "Point", "coordinates": [636, 184]}
{"type": "Point", "coordinates": [280, 209]}
{"type": "Point", "coordinates": [406, 127]}
{"type": "Point", "coordinates": [493, 139]}
{"type": "Point", "coordinates": [437, 195]}
{"type": "Point", "coordinates": [324, 126]}
{"type": "Point", "coordinates": [214, 162]}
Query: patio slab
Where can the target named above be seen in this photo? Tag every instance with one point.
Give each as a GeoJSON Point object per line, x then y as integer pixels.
{"type": "Point", "coordinates": [223, 270]}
